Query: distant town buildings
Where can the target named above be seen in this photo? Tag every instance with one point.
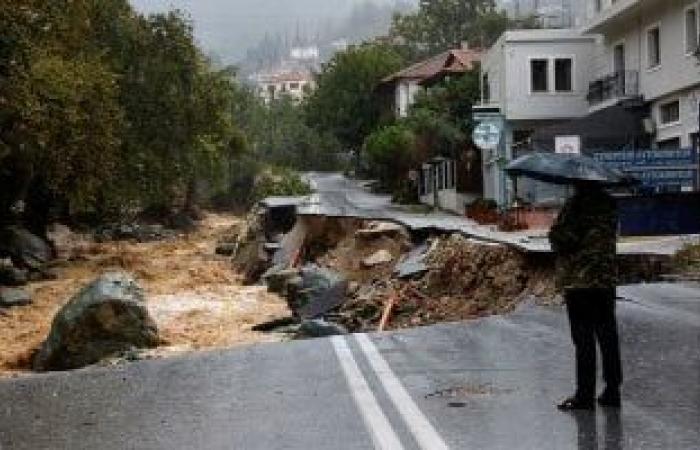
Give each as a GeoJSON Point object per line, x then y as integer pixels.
{"type": "Point", "coordinates": [292, 77]}
{"type": "Point", "coordinates": [296, 84]}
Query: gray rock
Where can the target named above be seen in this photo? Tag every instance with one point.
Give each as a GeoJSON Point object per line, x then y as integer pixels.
{"type": "Point", "coordinates": [277, 279]}
{"type": "Point", "coordinates": [316, 291]}
{"type": "Point", "coordinates": [26, 250]}
{"type": "Point", "coordinates": [11, 297]}
{"type": "Point", "coordinates": [12, 276]}
{"type": "Point", "coordinates": [106, 318]}
{"type": "Point", "coordinates": [318, 328]}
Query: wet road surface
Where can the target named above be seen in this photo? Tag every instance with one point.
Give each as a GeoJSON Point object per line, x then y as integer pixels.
{"type": "Point", "coordinates": [487, 384]}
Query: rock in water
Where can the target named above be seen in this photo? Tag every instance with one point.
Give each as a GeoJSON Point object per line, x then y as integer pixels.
{"type": "Point", "coordinates": [107, 317]}
{"type": "Point", "coordinates": [25, 249]}
{"type": "Point", "coordinates": [10, 298]}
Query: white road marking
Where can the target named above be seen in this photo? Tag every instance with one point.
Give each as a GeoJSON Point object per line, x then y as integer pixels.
{"type": "Point", "coordinates": [419, 425]}
{"type": "Point", "coordinates": [383, 435]}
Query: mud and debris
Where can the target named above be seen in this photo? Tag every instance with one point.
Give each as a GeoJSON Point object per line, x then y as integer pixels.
{"type": "Point", "coordinates": [196, 297]}
{"type": "Point", "coordinates": [394, 282]}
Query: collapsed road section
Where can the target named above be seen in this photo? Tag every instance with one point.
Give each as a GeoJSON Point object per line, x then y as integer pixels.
{"type": "Point", "coordinates": [348, 261]}
{"type": "Point", "coordinates": [349, 274]}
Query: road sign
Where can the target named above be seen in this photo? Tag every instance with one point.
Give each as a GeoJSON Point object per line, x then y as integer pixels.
{"type": "Point", "coordinates": [487, 136]}
{"type": "Point", "coordinates": [567, 144]}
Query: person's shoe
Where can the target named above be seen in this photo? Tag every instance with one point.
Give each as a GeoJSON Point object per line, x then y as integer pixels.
{"type": "Point", "coordinates": [610, 399]}
{"type": "Point", "coordinates": [574, 404]}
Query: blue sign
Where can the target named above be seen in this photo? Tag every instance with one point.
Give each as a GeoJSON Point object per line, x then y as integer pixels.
{"type": "Point", "coordinates": [675, 170]}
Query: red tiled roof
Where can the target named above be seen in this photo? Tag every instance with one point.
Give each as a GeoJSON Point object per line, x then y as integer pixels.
{"type": "Point", "coordinates": [451, 61]}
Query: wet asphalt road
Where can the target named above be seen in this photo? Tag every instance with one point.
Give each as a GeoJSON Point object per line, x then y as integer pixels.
{"type": "Point", "coordinates": [488, 384]}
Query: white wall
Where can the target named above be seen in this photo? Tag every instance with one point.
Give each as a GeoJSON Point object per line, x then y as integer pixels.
{"type": "Point", "coordinates": [678, 75]}
{"type": "Point", "coordinates": [405, 95]}
{"type": "Point", "coordinates": [508, 67]}
{"type": "Point", "coordinates": [677, 70]}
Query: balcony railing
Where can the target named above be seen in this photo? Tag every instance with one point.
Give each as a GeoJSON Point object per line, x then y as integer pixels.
{"type": "Point", "coordinates": [616, 85]}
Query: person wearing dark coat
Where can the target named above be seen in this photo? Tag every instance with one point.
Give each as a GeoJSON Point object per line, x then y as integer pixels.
{"type": "Point", "coordinates": [583, 239]}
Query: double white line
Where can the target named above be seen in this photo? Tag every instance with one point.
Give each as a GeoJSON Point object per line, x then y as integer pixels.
{"type": "Point", "coordinates": [383, 435]}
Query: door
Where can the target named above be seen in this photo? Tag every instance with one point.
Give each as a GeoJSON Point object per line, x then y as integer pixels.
{"type": "Point", "coordinates": [619, 69]}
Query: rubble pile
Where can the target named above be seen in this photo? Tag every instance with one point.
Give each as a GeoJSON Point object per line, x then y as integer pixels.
{"type": "Point", "coordinates": [368, 254]}
{"type": "Point", "coordinates": [487, 274]}
{"type": "Point", "coordinates": [465, 279]}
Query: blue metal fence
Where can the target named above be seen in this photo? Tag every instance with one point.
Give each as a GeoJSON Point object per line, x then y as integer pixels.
{"type": "Point", "coordinates": [660, 170]}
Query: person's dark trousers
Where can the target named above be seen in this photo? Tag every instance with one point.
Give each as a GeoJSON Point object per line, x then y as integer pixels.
{"type": "Point", "coordinates": [592, 318]}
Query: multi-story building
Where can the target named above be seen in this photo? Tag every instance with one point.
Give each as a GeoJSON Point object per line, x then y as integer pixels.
{"type": "Point", "coordinates": [649, 52]}
{"type": "Point", "coordinates": [531, 79]}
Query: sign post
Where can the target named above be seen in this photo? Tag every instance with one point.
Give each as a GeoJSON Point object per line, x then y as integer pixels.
{"type": "Point", "coordinates": [488, 136]}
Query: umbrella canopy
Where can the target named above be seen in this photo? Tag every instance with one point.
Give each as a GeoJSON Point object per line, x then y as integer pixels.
{"type": "Point", "coordinates": [566, 169]}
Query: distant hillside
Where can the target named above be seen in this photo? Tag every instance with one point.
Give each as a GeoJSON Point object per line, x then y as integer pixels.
{"type": "Point", "coordinates": [229, 28]}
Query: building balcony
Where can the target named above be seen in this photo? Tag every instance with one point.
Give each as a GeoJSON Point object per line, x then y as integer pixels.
{"type": "Point", "coordinates": [615, 86]}
{"type": "Point", "coordinates": [611, 15]}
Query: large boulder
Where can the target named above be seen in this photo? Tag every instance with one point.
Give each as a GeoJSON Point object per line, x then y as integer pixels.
{"type": "Point", "coordinates": [106, 318]}
{"type": "Point", "coordinates": [316, 291]}
{"type": "Point", "coordinates": [25, 249]}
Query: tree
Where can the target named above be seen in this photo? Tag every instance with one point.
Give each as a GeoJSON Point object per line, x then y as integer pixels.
{"type": "Point", "coordinates": [345, 103]}
{"type": "Point", "coordinates": [391, 152]}
{"type": "Point", "coordinates": [104, 109]}
{"type": "Point", "coordinates": [442, 24]}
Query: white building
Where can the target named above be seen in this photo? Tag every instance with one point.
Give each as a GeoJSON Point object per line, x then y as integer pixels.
{"type": "Point", "coordinates": [295, 84]}
{"type": "Point", "coordinates": [648, 51]}
{"type": "Point", "coordinates": [531, 79]}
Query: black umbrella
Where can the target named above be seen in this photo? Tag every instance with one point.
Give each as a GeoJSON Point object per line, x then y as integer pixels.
{"type": "Point", "coordinates": [567, 169]}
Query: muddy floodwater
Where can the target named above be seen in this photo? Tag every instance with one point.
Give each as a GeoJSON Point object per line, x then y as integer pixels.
{"type": "Point", "coordinates": [195, 297]}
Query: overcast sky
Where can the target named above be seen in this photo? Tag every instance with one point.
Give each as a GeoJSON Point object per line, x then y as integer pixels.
{"type": "Point", "coordinates": [229, 27]}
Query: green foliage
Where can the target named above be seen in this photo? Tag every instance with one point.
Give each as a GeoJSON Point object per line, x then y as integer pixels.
{"type": "Point", "coordinates": [442, 116]}
{"type": "Point", "coordinates": [345, 103]}
{"type": "Point", "coordinates": [108, 109]}
{"type": "Point", "coordinates": [390, 153]}
{"type": "Point", "coordinates": [439, 124]}
{"type": "Point", "coordinates": [442, 24]}
{"type": "Point", "coordinates": [279, 181]}
{"type": "Point", "coordinates": [279, 134]}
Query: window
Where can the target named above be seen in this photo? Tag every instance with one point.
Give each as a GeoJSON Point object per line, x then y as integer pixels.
{"type": "Point", "coordinates": [293, 86]}
{"type": "Point", "coordinates": [691, 30]}
{"type": "Point", "coordinates": [598, 5]}
{"type": "Point", "coordinates": [670, 113]}
{"type": "Point", "coordinates": [563, 72]}
{"type": "Point", "coordinates": [653, 47]}
{"type": "Point", "coordinates": [539, 73]}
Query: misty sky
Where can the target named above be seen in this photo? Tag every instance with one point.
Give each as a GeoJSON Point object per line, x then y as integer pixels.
{"type": "Point", "coordinates": [229, 27]}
